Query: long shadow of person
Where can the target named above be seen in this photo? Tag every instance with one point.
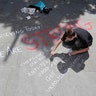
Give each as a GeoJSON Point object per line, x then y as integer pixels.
{"type": "Point", "coordinates": [75, 62]}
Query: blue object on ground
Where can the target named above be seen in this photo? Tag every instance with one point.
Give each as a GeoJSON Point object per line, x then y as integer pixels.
{"type": "Point", "coordinates": [41, 5]}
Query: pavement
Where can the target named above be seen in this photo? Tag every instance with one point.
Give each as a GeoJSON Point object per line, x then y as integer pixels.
{"type": "Point", "coordinates": [25, 45]}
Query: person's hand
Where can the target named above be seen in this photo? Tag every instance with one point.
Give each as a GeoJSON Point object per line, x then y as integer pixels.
{"type": "Point", "coordinates": [73, 53]}
{"type": "Point", "coordinates": [52, 53]}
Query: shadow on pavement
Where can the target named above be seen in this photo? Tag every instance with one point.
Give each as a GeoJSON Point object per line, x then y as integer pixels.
{"type": "Point", "coordinates": [75, 62]}
{"type": "Point", "coordinates": [11, 47]}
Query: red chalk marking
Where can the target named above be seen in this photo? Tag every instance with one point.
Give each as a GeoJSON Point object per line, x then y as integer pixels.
{"type": "Point", "coordinates": [86, 26]}
{"type": "Point", "coordinates": [43, 40]}
{"type": "Point", "coordinates": [24, 39]}
{"type": "Point", "coordinates": [36, 45]}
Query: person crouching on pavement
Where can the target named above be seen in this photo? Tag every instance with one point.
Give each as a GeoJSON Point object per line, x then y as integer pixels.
{"type": "Point", "coordinates": [78, 40]}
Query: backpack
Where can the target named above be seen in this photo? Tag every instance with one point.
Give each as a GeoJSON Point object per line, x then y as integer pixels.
{"type": "Point", "coordinates": [84, 35]}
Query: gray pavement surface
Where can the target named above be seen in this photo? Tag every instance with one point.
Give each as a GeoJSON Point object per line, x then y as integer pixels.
{"type": "Point", "coordinates": [25, 65]}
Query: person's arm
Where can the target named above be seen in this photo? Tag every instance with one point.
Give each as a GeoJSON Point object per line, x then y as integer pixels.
{"type": "Point", "coordinates": [55, 47]}
{"type": "Point", "coordinates": [79, 51]}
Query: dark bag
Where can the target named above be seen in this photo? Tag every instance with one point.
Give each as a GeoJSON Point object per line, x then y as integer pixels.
{"type": "Point", "coordinates": [85, 36]}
